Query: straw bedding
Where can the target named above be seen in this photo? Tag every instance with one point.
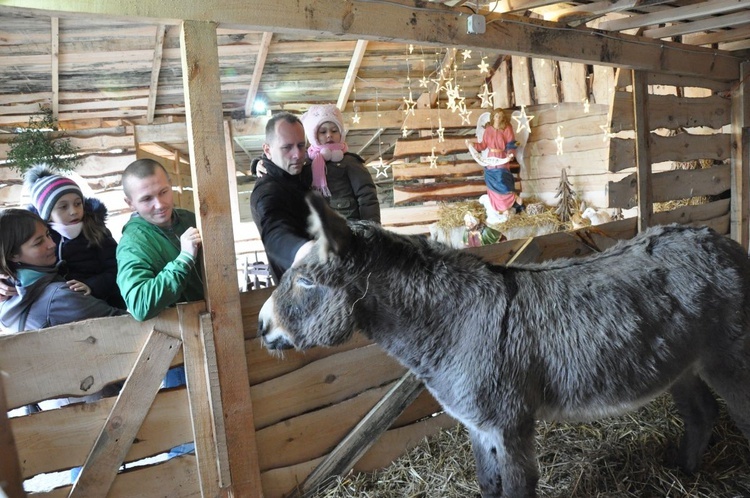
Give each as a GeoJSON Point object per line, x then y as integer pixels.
{"type": "Point", "coordinates": [616, 457]}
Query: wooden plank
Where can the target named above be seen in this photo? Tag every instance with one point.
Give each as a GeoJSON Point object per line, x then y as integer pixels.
{"type": "Point", "coordinates": [529, 252]}
{"type": "Point", "coordinates": [545, 78]}
{"type": "Point", "coordinates": [203, 391]}
{"type": "Point", "coordinates": [200, 71]}
{"type": "Point", "coordinates": [351, 74]}
{"type": "Point", "coordinates": [318, 384]}
{"type": "Point", "coordinates": [741, 159]}
{"type": "Point", "coordinates": [442, 191]}
{"type": "Point", "coordinates": [424, 146]}
{"type": "Point", "coordinates": [11, 482]}
{"type": "Point", "coordinates": [669, 111]}
{"type": "Point", "coordinates": [175, 478]}
{"type": "Point", "coordinates": [682, 147]}
{"type": "Point", "coordinates": [522, 80]}
{"type": "Point", "coordinates": [74, 359]}
{"type": "Point", "coordinates": [603, 84]}
{"type": "Point", "coordinates": [55, 65]}
{"type": "Point", "coordinates": [501, 89]}
{"type": "Point", "coordinates": [362, 437]}
{"type": "Point", "coordinates": [456, 169]}
{"type": "Point", "coordinates": [671, 185]}
{"type": "Point", "coordinates": [58, 439]}
{"type": "Point", "coordinates": [123, 423]}
{"type": "Point", "coordinates": [260, 63]}
{"type": "Point", "coordinates": [644, 187]}
{"type": "Point", "coordinates": [155, 70]}
{"type": "Point", "coordinates": [234, 200]}
{"type": "Point", "coordinates": [574, 82]}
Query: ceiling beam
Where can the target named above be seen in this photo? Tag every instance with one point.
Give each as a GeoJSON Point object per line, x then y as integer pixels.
{"type": "Point", "coordinates": [672, 15]}
{"type": "Point", "coordinates": [430, 24]}
{"type": "Point", "coordinates": [724, 35]}
{"type": "Point", "coordinates": [55, 63]}
{"type": "Point", "coordinates": [351, 74]}
{"type": "Point", "coordinates": [260, 63]}
{"type": "Point", "coordinates": [153, 89]}
{"type": "Point", "coordinates": [717, 22]}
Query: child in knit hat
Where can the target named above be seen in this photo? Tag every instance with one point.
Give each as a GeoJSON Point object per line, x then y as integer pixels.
{"type": "Point", "coordinates": [85, 246]}
{"type": "Point", "coordinates": [338, 174]}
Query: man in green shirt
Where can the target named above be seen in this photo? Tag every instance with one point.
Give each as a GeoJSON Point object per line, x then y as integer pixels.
{"type": "Point", "coordinates": [157, 256]}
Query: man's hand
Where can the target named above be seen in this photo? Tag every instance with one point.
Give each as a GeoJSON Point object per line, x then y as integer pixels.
{"type": "Point", "coordinates": [6, 290]}
{"type": "Point", "coordinates": [190, 241]}
{"type": "Point", "coordinates": [77, 286]}
{"type": "Point", "coordinates": [260, 170]}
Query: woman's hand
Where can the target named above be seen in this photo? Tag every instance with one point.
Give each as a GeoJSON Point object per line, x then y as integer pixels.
{"type": "Point", "coordinates": [77, 286]}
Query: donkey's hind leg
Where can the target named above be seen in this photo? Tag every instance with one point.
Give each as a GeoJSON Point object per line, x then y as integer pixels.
{"type": "Point", "coordinates": [731, 381]}
{"type": "Point", "coordinates": [698, 407]}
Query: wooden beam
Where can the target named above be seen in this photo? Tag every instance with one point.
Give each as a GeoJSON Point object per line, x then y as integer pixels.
{"type": "Point", "coordinates": [125, 419]}
{"type": "Point", "coordinates": [55, 62]}
{"type": "Point", "coordinates": [234, 201]}
{"type": "Point", "coordinates": [364, 435]}
{"type": "Point", "coordinates": [203, 392]}
{"type": "Point", "coordinates": [153, 88]}
{"type": "Point", "coordinates": [200, 73]}
{"type": "Point", "coordinates": [351, 74]}
{"type": "Point", "coordinates": [260, 63]}
{"type": "Point", "coordinates": [703, 9]}
{"type": "Point", "coordinates": [642, 148]}
{"type": "Point", "coordinates": [709, 24]}
{"type": "Point", "coordinates": [740, 159]}
{"type": "Point", "coordinates": [390, 21]}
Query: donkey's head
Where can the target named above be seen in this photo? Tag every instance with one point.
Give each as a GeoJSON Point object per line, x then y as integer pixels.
{"type": "Point", "coordinates": [313, 304]}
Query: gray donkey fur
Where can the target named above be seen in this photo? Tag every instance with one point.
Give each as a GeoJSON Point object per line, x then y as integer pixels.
{"type": "Point", "coordinates": [499, 347]}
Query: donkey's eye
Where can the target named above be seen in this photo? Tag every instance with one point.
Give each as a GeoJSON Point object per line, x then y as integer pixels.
{"type": "Point", "coordinates": [305, 282]}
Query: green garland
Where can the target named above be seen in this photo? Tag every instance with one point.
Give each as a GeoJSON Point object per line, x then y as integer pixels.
{"type": "Point", "coordinates": [36, 145]}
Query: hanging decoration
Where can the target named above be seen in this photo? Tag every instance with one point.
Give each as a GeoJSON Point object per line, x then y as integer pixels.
{"type": "Point", "coordinates": [607, 132]}
{"type": "Point", "coordinates": [356, 117]}
{"type": "Point", "coordinates": [484, 68]}
{"type": "Point", "coordinates": [486, 96]}
{"type": "Point", "coordinates": [381, 168]}
{"type": "Point", "coordinates": [433, 159]}
{"type": "Point", "coordinates": [523, 120]}
{"type": "Point", "coordinates": [586, 105]}
{"type": "Point", "coordinates": [559, 141]}
{"type": "Point", "coordinates": [409, 104]}
{"type": "Point", "coordinates": [440, 131]}
{"type": "Point", "coordinates": [466, 54]}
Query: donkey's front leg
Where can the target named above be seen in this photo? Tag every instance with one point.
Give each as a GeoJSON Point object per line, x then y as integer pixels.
{"type": "Point", "coordinates": [506, 461]}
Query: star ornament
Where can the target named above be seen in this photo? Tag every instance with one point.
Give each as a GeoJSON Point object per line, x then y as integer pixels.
{"type": "Point", "coordinates": [466, 54]}
{"type": "Point", "coordinates": [523, 121]}
{"type": "Point", "coordinates": [381, 168]}
{"type": "Point", "coordinates": [441, 131]}
{"type": "Point", "coordinates": [424, 82]}
{"type": "Point", "coordinates": [486, 96]}
{"type": "Point", "coordinates": [404, 132]}
{"type": "Point", "coordinates": [607, 132]}
{"type": "Point", "coordinates": [465, 115]}
{"type": "Point", "coordinates": [483, 66]}
{"type": "Point", "coordinates": [586, 106]}
{"type": "Point", "coordinates": [356, 118]}
{"type": "Point", "coordinates": [559, 141]}
{"type": "Point", "coordinates": [433, 159]}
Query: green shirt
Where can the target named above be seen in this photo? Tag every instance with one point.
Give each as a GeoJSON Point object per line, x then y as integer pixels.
{"type": "Point", "coordinates": [152, 273]}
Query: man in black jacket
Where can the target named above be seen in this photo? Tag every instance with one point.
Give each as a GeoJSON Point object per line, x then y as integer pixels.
{"type": "Point", "coordinates": [278, 199]}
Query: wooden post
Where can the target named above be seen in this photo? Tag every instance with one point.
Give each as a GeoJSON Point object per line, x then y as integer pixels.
{"type": "Point", "coordinates": [740, 157]}
{"type": "Point", "coordinates": [200, 73]}
{"type": "Point", "coordinates": [642, 149]}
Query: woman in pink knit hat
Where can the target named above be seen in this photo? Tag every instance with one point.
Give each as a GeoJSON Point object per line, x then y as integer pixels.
{"type": "Point", "coordinates": [339, 175]}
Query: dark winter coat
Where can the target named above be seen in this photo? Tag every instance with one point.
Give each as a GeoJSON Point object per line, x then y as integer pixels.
{"type": "Point", "coordinates": [94, 266]}
{"type": "Point", "coordinates": [280, 213]}
{"type": "Point", "coordinates": [353, 192]}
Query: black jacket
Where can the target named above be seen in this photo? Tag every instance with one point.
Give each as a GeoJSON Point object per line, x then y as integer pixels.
{"type": "Point", "coordinates": [280, 213]}
{"type": "Point", "coordinates": [353, 192]}
{"type": "Point", "coordinates": [92, 265]}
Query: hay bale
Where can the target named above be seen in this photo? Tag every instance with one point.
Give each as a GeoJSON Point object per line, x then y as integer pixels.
{"type": "Point", "coordinates": [617, 457]}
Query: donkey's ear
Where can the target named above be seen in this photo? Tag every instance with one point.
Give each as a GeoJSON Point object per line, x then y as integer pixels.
{"type": "Point", "coordinates": [327, 227]}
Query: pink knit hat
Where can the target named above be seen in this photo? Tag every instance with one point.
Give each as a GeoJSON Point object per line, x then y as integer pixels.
{"type": "Point", "coordinates": [319, 114]}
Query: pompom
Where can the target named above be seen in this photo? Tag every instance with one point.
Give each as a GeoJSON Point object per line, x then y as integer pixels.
{"type": "Point", "coordinates": [37, 172]}
{"type": "Point", "coordinates": [326, 153]}
{"type": "Point", "coordinates": [337, 155]}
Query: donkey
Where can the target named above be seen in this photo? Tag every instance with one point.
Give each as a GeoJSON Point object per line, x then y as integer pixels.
{"type": "Point", "coordinates": [499, 347]}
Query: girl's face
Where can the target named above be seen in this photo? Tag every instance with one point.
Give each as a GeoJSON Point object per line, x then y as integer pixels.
{"type": "Point", "coordinates": [68, 210]}
{"type": "Point", "coordinates": [328, 133]}
{"type": "Point", "coordinates": [39, 250]}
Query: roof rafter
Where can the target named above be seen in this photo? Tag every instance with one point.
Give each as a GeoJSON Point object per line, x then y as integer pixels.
{"type": "Point", "coordinates": [351, 74]}
{"type": "Point", "coordinates": [155, 70]}
{"type": "Point", "coordinates": [260, 63]}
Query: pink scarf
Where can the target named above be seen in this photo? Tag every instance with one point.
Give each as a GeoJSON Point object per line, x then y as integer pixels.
{"type": "Point", "coordinates": [319, 155]}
